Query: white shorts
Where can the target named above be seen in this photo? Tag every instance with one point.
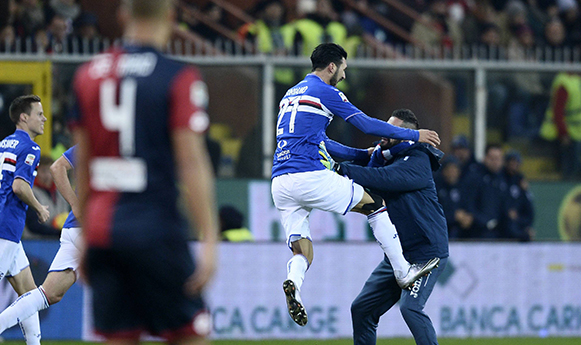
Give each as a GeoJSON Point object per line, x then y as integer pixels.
{"type": "Point", "coordinates": [12, 258]}
{"type": "Point", "coordinates": [68, 255]}
{"type": "Point", "coordinates": [295, 195]}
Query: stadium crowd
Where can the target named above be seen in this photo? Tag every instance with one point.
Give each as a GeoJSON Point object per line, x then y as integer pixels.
{"type": "Point", "coordinates": [492, 29]}
{"type": "Point", "coordinates": [488, 200]}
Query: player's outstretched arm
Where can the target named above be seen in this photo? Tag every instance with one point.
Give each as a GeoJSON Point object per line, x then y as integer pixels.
{"type": "Point", "coordinates": [23, 191]}
{"type": "Point", "coordinates": [59, 171]}
{"type": "Point", "coordinates": [430, 137]}
{"type": "Point", "coordinates": [193, 166]}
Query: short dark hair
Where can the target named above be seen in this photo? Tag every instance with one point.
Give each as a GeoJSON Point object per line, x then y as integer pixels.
{"type": "Point", "coordinates": [408, 117]}
{"type": "Point", "coordinates": [326, 53]}
{"type": "Point", "coordinates": [492, 146]}
{"type": "Point", "coordinates": [22, 104]}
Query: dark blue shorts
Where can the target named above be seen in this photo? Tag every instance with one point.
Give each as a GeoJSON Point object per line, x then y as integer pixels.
{"type": "Point", "coordinates": [139, 291]}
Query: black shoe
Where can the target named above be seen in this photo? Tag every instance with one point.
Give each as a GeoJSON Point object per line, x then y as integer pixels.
{"type": "Point", "coordinates": [294, 303]}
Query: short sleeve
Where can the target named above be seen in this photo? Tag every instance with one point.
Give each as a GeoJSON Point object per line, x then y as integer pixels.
{"type": "Point", "coordinates": [27, 162]}
{"type": "Point", "coordinates": [70, 155]}
{"type": "Point", "coordinates": [188, 101]}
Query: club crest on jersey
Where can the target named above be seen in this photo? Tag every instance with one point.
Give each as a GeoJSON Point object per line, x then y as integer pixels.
{"type": "Point", "coordinates": [30, 159]}
{"type": "Point", "coordinates": [343, 97]}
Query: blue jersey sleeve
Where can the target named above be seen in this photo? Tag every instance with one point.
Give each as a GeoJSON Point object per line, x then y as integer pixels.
{"type": "Point", "coordinates": [338, 150]}
{"type": "Point", "coordinates": [26, 163]}
{"type": "Point", "coordinates": [339, 105]}
{"type": "Point", "coordinates": [70, 155]}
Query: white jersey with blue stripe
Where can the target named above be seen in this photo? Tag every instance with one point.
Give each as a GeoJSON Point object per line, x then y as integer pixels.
{"type": "Point", "coordinates": [305, 113]}
{"type": "Point", "coordinates": [19, 157]}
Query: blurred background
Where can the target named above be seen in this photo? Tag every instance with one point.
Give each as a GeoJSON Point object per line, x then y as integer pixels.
{"type": "Point", "coordinates": [499, 80]}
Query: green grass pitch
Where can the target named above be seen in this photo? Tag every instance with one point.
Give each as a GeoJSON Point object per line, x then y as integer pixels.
{"type": "Point", "coordinates": [393, 341]}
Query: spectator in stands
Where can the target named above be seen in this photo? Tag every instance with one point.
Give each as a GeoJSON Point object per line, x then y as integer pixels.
{"type": "Point", "coordinates": [462, 152]}
{"type": "Point", "coordinates": [231, 225]}
{"type": "Point", "coordinates": [269, 32]}
{"type": "Point", "coordinates": [86, 38]}
{"type": "Point", "coordinates": [45, 191]}
{"type": "Point", "coordinates": [7, 38]}
{"type": "Point", "coordinates": [516, 17]}
{"type": "Point", "coordinates": [437, 28]}
{"type": "Point", "coordinates": [478, 16]}
{"type": "Point", "coordinates": [487, 198]}
{"type": "Point", "coordinates": [555, 36]}
{"type": "Point", "coordinates": [452, 195]}
{"type": "Point", "coordinates": [563, 122]}
{"type": "Point", "coordinates": [57, 34]}
{"type": "Point", "coordinates": [272, 36]}
{"type": "Point", "coordinates": [572, 21]}
{"type": "Point", "coordinates": [319, 27]}
{"type": "Point", "coordinates": [519, 198]}
{"type": "Point", "coordinates": [526, 101]}
{"type": "Point", "coordinates": [29, 18]}
{"type": "Point", "coordinates": [69, 10]}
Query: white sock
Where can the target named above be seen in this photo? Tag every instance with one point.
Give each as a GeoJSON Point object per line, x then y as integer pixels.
{"type": "Point", "coordinates": [21, 310]}
{"type": "Point", "coordinates": [296, 268]}
{"type": "Point", "coordinates": [386, 235]}
{"type": "Point", "coordinates": [31, 329]}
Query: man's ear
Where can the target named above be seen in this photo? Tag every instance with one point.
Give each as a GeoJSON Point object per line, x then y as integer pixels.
{"type": "Point", "coordinates": [332, 67]}
{"type": "Point", "coordinates": [23, 117]}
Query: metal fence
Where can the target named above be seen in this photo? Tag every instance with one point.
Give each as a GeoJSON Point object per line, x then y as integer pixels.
{"type": "Point", "coordinates": [474, 60]}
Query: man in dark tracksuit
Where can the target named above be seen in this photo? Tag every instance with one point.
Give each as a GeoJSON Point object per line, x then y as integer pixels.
{"type": "Point", "coordinates": [405, 182]}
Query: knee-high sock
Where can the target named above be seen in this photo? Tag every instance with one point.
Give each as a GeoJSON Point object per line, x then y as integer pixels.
{"type": "Point", "coordinates": [23, 309]}
{"type": "Point", "coordinates": [296, 268]}
{"type": "Point", "coordinates": [31, 329]}
{"type": "Point", "coordinates": [386, 235]}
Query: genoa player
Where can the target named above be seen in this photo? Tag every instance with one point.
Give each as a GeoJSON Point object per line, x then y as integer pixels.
{"type": "Point", "coordinates": [139, 124]}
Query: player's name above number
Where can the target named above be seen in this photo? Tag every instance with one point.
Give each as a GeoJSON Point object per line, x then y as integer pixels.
{"type": "Point", "coordinates": [137, 65]}
{"type": "Point", "coordinates": [9, 144]}
{"type": "Point", "coordinates": [296, 91]}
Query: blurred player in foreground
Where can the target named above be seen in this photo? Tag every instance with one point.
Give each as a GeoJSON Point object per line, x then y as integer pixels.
{"type": "Point", "coordinates": [139, 124]}
{"type": "Point", "coordinates": [301, 181]}
{"type": "Point", "coordinates": [62, 273]}
{"type": "Point", "coordinates": [19, 157]}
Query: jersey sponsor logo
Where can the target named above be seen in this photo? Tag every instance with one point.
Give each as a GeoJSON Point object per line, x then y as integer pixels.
{"type": "Point", "coordinates": [36, 148]}
{"type": "Point", "coordinates": [282, 144]}
{"type": "Point", "coordinates": [8, 144]}
{"type": "Point", "coordinates": [114, 174]}
{"type": "Point", "coordinates": [30, 159]}
{"type": "Point", "coordinates": [343, 97]}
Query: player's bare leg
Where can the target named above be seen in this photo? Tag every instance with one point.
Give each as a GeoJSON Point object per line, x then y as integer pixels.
{"type": "Point", "coordinates": [52, 291]}
{"type": "Point", "coordinates": [22, 283]}
{"type": "Point", "coordinates": [57, 283]}
{"type": "Point", "coordinates": [386, 235]}
{"type": "Point", "coordinates": [296, 267]}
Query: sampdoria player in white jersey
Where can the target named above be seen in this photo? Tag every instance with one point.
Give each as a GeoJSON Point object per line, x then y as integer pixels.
{"type": "Point", "coordinates": [19, 157]}
{"type": "Point", "coordinates": [63, 271]}
{"type": "Point", "coordinates": [301, 179]}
